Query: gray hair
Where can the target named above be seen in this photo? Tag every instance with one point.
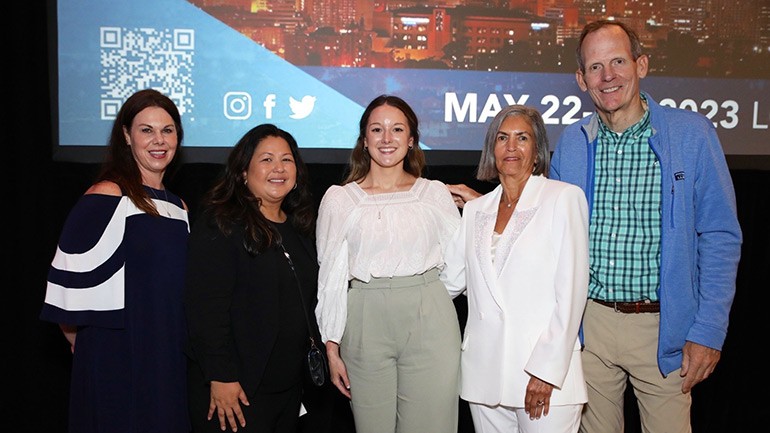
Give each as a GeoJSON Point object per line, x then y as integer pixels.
{"type": "Point", "coordinates": [487, 169]}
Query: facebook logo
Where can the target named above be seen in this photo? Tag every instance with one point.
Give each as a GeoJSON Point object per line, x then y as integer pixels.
{"type": "Point", "coordinates": [269, 103]}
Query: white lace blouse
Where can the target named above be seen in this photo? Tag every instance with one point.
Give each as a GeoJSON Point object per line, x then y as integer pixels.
{"type": "Point", "coordinates": [363, 236]}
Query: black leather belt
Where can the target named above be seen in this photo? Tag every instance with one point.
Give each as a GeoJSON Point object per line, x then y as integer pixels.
{"type": "Point", "coordinates": [631, 307]}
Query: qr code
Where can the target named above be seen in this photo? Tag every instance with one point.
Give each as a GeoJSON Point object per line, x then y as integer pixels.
{"type": "Point", "coordinates": [142, 58]}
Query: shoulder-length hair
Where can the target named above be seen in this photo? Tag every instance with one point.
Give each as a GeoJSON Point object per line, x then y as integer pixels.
{"type": "Point", "coordinates": [119, 165]}
{"type": "Point", "coordinates": [231, 202]}
{"type": "Point", "coordinates": [633, 38]}
{"type": "Point", "coordinates": [487, 169]}
{"type": "Point", "coordinates": [360, 161]}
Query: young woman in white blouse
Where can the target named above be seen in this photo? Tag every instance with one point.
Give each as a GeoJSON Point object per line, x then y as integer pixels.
{"type": "Point", "coordinates": [390, 327]}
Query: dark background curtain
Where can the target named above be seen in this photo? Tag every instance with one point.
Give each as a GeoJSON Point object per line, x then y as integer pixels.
{"type": "Point", "coordinates": [42, 191]}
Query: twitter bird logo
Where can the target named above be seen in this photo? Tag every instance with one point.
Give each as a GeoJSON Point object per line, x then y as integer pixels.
{"type": "Point", "coordinates": [301, 109]}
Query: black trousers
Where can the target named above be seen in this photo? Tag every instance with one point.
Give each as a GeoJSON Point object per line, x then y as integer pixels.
{"type": "Point", "coordinates": [268, 412]}
{"type": "Point", "coordinates": [328, 411]}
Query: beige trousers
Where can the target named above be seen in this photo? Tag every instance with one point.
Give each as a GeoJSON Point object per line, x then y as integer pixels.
{"type": "Point", "coordinates": [622, 347]}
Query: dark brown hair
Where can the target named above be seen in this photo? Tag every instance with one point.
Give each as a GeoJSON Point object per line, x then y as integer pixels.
{"type": "Point", "coordinates": [119, 165]}
{"type": "Point", "coordinates": [360, 161]}
{"type": "Point", "coordinates": [231, 203]}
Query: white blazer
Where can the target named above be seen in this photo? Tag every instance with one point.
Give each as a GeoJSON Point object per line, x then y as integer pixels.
{"type": "Point", "coordinates": [525, 308]}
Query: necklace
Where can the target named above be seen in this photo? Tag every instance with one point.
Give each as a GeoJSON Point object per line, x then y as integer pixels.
{"type": "Point", "coordinates": [389, 192]}
{"type": "Point", "coordinates": [163, 202]}
{"type": "Point", "coordinates": [377, 203]}
{"type": "Point", "coordinates": [513, 202]}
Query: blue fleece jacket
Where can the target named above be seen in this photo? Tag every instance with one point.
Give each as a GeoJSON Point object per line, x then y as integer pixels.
{"type": "Point", "coordinates": [700, 234]}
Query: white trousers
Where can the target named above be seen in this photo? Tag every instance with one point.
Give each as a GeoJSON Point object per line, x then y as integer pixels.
{"type": "Point", "coordinates": [502, 419]}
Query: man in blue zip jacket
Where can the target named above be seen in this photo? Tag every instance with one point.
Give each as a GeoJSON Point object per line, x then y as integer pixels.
{"type": "Point", "coordinates": [664, 238]}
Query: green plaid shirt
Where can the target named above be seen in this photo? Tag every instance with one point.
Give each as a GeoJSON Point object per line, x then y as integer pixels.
{"type": "Point", "coordinates": [624, 232]}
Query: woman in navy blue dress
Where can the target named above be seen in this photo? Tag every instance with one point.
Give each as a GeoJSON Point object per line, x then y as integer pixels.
{"type": "Point", "coordinates": [116, 281]}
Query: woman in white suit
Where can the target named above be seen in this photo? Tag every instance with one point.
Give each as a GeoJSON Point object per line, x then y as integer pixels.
{"type": "Point", "coordinates": [521, 257]}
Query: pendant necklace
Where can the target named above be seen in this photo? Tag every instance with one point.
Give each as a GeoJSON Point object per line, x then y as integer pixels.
{"type": "Point", "coordinates": [377, 204]}
{"type": "Point", "coordinates": [513, 202]}
{"type": "Point", "coordinates": [163, 202]}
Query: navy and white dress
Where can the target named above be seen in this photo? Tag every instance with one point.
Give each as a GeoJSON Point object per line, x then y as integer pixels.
{"type": "Point", "coordinates": [118, 274]}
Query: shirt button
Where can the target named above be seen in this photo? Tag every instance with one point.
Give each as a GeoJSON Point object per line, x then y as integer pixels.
{"type": "Point", "coordinates": [617, 180]}
{"type": "Point", "coordinates": [620, 152]}
{"type": "Point", "coordinates": [613, 235]}
{"type": "Point", "coordinates": [612, 262]}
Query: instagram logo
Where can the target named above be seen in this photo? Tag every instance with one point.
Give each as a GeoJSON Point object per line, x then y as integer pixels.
{"type": "Point", "coordinates": [237, 105]}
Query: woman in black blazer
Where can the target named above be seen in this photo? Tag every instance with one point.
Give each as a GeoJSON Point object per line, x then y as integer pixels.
{"type": "Point", "coordinates": [248, 330]}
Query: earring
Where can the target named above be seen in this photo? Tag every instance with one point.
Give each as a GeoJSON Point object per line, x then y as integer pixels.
{"type": "Point", "coordinates": [295, 186]}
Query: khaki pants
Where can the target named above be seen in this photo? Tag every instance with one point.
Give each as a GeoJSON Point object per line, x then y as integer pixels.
{"type": "Point", "coordinates": [621, 347]}
{"type": "Point", "coordinates": [401, 348]}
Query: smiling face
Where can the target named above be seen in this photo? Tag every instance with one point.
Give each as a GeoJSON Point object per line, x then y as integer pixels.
{"type": "Point", "coordinates": [612, 75]}
{"type": "Point", "coordinates": [388, 137]}
{"type": "Point", "coordinates": [515, 148]}
{"type": "Point", "coordinates": [272, 172]}
{"type": "Point", "coordinates": [153, 140]}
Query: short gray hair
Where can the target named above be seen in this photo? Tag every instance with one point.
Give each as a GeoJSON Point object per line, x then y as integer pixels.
{"type": "Point", "coordinates": [487, 169]}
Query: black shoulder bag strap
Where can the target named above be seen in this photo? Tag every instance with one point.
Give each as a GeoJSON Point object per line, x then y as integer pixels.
{"type": "Point", "coordinates": [316, 358]}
